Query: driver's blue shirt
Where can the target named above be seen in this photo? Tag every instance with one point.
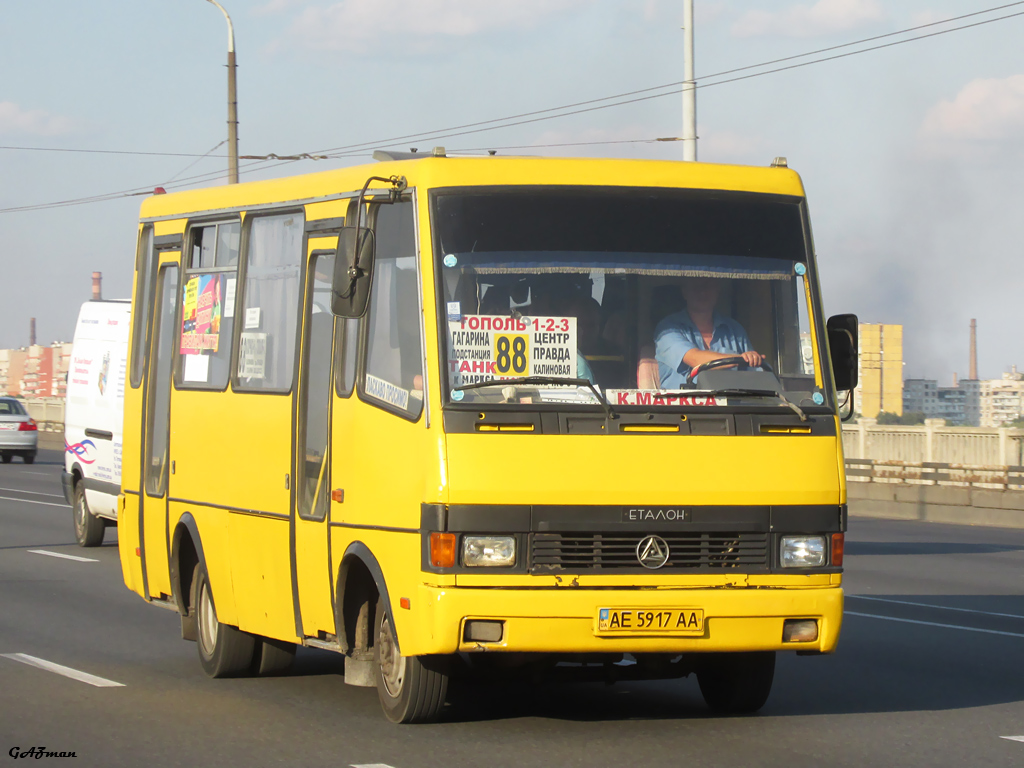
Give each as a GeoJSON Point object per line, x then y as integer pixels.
{"type": "Point", "coordinates": [676, 335]}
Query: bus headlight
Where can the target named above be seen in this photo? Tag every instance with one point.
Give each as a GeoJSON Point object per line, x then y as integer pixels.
{"type": "Point", "coordinates": [802, 551]}
{"type": "Point", "coordinates": [488, 551]}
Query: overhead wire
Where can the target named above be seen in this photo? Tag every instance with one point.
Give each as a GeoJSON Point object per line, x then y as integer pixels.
{"type": "Point", "coordinates": [355, 150]}
{"type": "Point", "coordinates": [674, 84]}
{"type": "Point", "coordinates": [222, 143]}
{"type": "Point", "coordinates": [762, 73]}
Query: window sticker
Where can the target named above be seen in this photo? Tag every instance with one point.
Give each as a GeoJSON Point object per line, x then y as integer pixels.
{"type": "Point", "coordinates": [661, 397]}
{"type": "Point", "coordinates": [252, 317]}
{"type": "Point", "coordinates": [229, 298]}
{"type": "Point", "coordinates": [485, 347]}
{"type": "Point", "coordinates": [454, 310]}
{"type": "Point", "coordinates": [252, 356]}
{"type": "Point", "coordinates": [201, 314]}
{"type": "Point", "coordinates": [196, 368]}
{"type": "Point", "coordinates": [386, 391]}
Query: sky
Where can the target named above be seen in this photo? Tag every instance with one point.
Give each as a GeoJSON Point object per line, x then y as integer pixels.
{"type": "Point", "coordinates": [911, 155]}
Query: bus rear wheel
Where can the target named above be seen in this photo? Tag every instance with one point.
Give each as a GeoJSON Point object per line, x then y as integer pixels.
{"type": "Point", "coordinates": [224, 651]}
{"type": "Point", "coordinates": [737, 683]}
{"type": "Point", "coordinates": [412, 689]}
{"type": "Point", "coordinates": [272, 657]}
{"type": "Point", "coordinates": [88, 528]}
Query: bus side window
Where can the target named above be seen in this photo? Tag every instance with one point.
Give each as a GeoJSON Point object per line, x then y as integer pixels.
{"type": "Point", "coordinates": [346, 344]}
{"type": "Point", "coordinates": [144, 261]}
{"type": "Point", "coordinates": [394, 346]}
{"type": "Point", "coordinates": [270, 306]}
{"type": "Point", "coordinates": [208, 306]}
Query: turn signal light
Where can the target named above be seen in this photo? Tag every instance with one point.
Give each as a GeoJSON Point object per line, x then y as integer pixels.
{"type": "Point", "coordinates": [442, 550]}
{"type": "Point", "coordinates": [28, 426]}
{"type": "Point", "coordinates": [838, 540]}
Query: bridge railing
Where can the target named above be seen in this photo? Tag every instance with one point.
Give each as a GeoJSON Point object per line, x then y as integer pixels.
{"type": "Point", "coordinates": [934, 442]}
{"type": "Point", "coordinates": [48, 412]}
{"type": "Point", "coordinates": [1000, 478]}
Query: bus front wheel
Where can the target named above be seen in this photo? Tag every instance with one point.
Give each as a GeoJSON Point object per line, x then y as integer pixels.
{"type": "Point", "coordinates": [412, 689]}
{"type": "Point", "coordinates": [224, 651]}
{"type": "Point", "coordinates": [737, 683]}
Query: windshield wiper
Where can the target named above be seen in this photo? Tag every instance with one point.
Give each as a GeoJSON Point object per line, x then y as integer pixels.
{"type": "Point", "coordinates": [541, 380]}
{"type": "Point", "coordinates": [740, 392]}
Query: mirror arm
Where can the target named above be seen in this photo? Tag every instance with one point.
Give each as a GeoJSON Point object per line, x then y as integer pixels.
{"type": "Point", "coordinates": [398, 185]}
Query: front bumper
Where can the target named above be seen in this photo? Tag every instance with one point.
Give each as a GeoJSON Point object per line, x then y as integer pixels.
{"type": "Point", "coordinates": [564, 619]}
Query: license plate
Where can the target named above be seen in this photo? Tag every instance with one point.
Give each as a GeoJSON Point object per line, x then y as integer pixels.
{"type": "Point", "coordinates": [8, 425]}
{"type": "Point", "coordinates": [650, 621]}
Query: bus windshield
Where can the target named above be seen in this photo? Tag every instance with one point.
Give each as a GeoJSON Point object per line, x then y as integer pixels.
{"type": "Point", "coordinates": [655, 297]}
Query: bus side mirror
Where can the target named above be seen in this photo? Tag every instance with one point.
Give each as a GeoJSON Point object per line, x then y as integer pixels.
{"type": "Point", "coordinates": [842, 344]}
{"type": "Point", "coordinates": [353, 272]}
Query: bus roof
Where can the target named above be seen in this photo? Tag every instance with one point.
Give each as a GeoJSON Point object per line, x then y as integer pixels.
{"type": "Point", "coordinates": [432, 172]}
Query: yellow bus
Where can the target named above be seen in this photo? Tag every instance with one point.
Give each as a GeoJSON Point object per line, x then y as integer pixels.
{"type": "Point", "coordinates": [441, 413]}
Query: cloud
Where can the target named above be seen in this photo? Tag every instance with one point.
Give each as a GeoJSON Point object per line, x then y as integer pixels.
{"type": "Point", "coordinates": [359, 25]}
{"type": "Point", "coordinates": [984, 112]}
{"type": "Point", "coordinates": [826, 17]}
{"type": "Point", "coordinates": [16, 121]}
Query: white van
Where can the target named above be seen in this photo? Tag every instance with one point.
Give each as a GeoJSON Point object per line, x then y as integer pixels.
{"type": "Point", "coordinates": [94, 415]}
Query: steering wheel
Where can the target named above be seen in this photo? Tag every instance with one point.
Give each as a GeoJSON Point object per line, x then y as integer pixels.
{"type": "Point", "coordinates": [725, 362]}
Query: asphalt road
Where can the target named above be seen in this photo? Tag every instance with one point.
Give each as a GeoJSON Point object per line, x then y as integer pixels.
{"type": "Point", "coordinates": [928, 673]}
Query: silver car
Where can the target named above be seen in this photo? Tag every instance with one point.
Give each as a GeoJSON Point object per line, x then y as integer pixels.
{"type": "Point", "coordinates": [19, 435]}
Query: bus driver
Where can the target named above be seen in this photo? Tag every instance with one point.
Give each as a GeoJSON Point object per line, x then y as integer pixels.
{"type": "Point", "coordinates": [698, 334]}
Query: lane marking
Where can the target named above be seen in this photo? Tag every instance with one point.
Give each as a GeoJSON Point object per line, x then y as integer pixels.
{"type": "Point", "coordinates": [35, 493]}
{"type": "Point", "coordinates": [65, 557]}
{"type": "Point", "coordinates": [60, 669]}
{"type": "Point", "coordinates": [935, 624]}
{"type": "Point", "coordinates": [385, 765]}
{"type": "Point", "coordinates": [33, 501]}
{"type": "Point", "coordinates": [1012, 738]}
{"type": "Point", "coordinates": [941, 607]}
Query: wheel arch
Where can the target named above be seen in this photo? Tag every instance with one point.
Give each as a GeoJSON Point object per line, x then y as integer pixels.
{"type": "Point", "coordinates": [186, 553]}
{"type": "Point", "coordinates": [359, 570]}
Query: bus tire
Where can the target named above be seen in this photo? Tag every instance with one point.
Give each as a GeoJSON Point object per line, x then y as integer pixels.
{"type": "Point", "coordinates": [412, 689]}
{"type": "Point", "coordinates": [737, 683]}
{"type": "Point", "coordinates": [224, 651]}
{"type": "Point", "coordinates": [88, 528]}
{"type": "Point", "coordinates": [272, 657]}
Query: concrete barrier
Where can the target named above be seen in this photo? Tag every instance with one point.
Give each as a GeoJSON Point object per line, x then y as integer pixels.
{"type": "Point", "coordinates": [51, 441]}
{"type": "Point", "coordinates": [937, 504]}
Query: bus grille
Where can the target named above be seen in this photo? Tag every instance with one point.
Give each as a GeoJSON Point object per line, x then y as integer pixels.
{"type": "Point", "coordinates": [687, 551]}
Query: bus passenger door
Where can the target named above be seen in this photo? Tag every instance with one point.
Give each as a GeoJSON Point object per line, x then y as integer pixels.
{"type": "Point", "coordinates": [312, 436]}
{"type": "Point", "coordinates": [156, 467]}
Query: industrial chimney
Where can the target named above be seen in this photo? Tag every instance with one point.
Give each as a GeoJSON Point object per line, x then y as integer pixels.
{"type": "Point", "coordinates": [974, 350]}
{"type": "Point", "coordinates": [32, 332]}
{"type": "Point", "coordinates": [97, 286]}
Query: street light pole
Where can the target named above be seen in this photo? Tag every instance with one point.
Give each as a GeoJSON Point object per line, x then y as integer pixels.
{"type": "Point", "coordinates": [232, 101]}
{"type": "Point", "coordinates": [689, 86]}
